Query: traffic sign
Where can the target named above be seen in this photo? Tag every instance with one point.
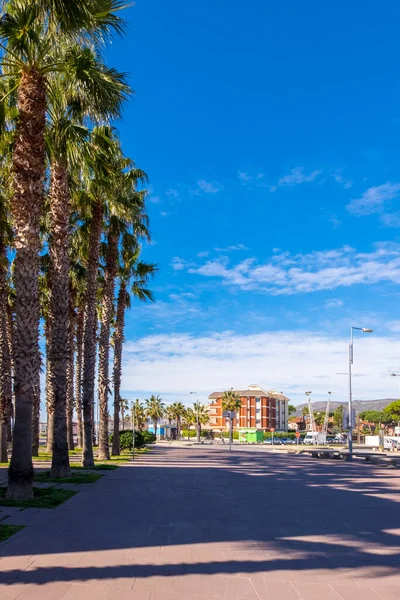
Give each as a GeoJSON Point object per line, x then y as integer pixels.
{"type": "Point", "coordinates": [297, 434]}
{"type": "Point", "coordinates": [272, 429]}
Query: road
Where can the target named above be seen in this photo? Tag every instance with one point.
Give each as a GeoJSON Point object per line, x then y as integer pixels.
{"type": "Point", "coordinates": [200, 523]}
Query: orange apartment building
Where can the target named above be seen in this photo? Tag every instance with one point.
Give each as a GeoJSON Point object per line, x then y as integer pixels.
{"type": "Point", "coordinates": [260, 409]}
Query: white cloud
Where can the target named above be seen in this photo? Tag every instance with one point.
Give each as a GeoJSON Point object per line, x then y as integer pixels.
{"type": "Point", "coordinates": [178, 264]}
{"type": "Point", "coordinates": [231, 248]}
{"type": "Point", "coordinates": [334, 303]}
{"type": "Point", "coordinates": [373, 200]}
{"type": "Point", "coordinates": [207, 187]}
{"type": "Point", "coordinates": [303, 273]}
{"type": "Point", "coordinates": [203, 254]}
{"type": "Point", "coordinates": [338, 177]}
{"type": "Point", "coordinates": [391, 219]}
{"type": "Point", "coordinates": [297, 175]}
{"type": "Point", "coordinates": [164, 214]}
{"type": "Point", "coordinates": [173, 194]}
{"type": "Point", "coordinates": [176, 364]}
{"type": "Point", "coordinates": [154, 199]}
{"type": "Point", "coordinates": [246, 179]}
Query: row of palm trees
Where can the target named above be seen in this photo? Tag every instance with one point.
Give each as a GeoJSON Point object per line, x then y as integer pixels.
{"type": "Point", "coordinates": [72, 221]}
{"type": "Point", "coordinates": [155, 410]}
{"type": "Point", "coordinates": [198, 415]}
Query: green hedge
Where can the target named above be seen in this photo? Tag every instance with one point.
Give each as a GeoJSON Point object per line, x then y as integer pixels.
{"type": "Point", "coordinates": [142, 438]}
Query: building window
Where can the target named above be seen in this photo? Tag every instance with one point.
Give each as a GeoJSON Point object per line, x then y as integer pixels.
{"type": "Point", "coordinates": [258, 399]}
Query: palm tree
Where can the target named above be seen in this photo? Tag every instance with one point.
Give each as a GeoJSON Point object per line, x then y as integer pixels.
{"type": "Point", "coordinates": [31, 36]}
{"type": "Point", "coordinates": [139, 414]}
{"type": "Point", "coordinates": [177, 412]}
{"type": "Point", "coordinates": [124, 407]}
{"type": "Point", "coordinates": [231, 402]}
{"type": "Point", "coordinates": [201, 417]}
{"type": "Point", "coordinates": [155, 410]}
{"type": "Point", "coordinates": [130, 269]}
{"type": "Point", "coordinates": [127, 212]}
{"type": "Point", "coordinates": [5, 357]}
{"type": "Point", "coordinates": [189, 419]}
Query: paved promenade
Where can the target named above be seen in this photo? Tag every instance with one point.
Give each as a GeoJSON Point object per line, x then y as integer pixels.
{"type": "Point", "coordinates": [206, 524]}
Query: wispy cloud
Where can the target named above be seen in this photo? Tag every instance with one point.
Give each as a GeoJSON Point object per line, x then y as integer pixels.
{"type": "Point", "coordinates": [164, 214]}
{"type": "Point", "coordinates": [286, 274]}
{"type": "Point", "coordinates": [297, 175]}
{"type": "Point", "coordinates": [391, 219]}
{"type": "Point", "coordinates": [374, 199]}
{"type": "Point", "coordinates": [207, 187]}
{"type": "Point", "coordinates": [338, 177]}
{"type": "Point", "coordinates": [248, 179]}
{"type": "Point", "coordinates": [203, 254]}
{"type": "Point", "coordinates": [334, 303]}
{"type": "Point", "coordinates": [178, 264]}
{"type": "Point", "coordinates": [154, 199]}
{"type": "Point", "coordinates": [172, 194]}
{"type": "Point", "coordinates": [231, 248]}
{"type": "Point", "coordinates": [174, 364]}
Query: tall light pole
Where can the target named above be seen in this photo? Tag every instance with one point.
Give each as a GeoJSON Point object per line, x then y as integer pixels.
{"type": "Point", "coordinates": [197, 415]}
{"type": "Point", "coordinates": [350, 407]}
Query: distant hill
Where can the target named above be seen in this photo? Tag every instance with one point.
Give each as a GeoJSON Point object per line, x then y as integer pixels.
{"type": "Point", "coordinates": [359, 405]}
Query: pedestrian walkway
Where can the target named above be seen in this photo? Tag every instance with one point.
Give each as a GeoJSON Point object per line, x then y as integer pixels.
{"type": "Point", "coordinates": [201, 523]}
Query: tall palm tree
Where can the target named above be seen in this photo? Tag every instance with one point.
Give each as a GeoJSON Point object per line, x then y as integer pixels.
{"type": "Point", "coordinates": [31, 35]}
{"type": "Point", "coordinates": [189, 419]}
{"type": "Point", "coordinates": [178, 411]}
{"type": "Point", "coordinates": [124, 404]}
{"type": "Point", "coordinates": [5, 357]}
{"type": "Point", "coordinates": [126, 212]}
{"type": "Point", "coordinates": [133, 276]}
{"type": "Point", "coordinates": [139, 414]}
{"type": "Point", "coordinates": [201, 417]}
{"type": "Point", "coordinates": [231, 402]}
{"type": "Point", "coordinates": [155, 410]}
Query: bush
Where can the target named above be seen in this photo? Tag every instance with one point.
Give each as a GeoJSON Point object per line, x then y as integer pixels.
{"type": "Point", "coordinates": [126, 439]}
{"type": "Point", "coordinates": [148, 437]}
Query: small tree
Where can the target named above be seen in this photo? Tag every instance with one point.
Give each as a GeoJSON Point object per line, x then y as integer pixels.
{"type": "Point", "coordinates": [231, 401]}
{"type": "Point", "coordinates": [291, 409]}
{"type": "Point", "coordinates": [392, 411]}
{"type": "Point", "coordinates": [338, 417]}
{"type": "Point", "coordinates": [124, 405]}
{"type": "Point", "coordinates": [177, 411]}
{"type": "Point", "coordinates": [319, 418]}
{"type": "Point", "coordinates": [189, 419]}
{"type": "Point", "coordinates": [201, 417]}
{"type": "Point", "coordinates": [139, 414]}
{"type": "Point", "coordinates": [155, 409]}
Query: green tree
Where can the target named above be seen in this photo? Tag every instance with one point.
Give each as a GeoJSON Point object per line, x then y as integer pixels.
{"type": "Point", "coordinates": [201, 417]}
{"type": "Point", "coordinates": [392, 411]}
{"type": "Point", "coordinates": [189, 419]}
{"type": "Point", "coordinates": [155, 409]}
{"type": "Point", "coordinates": [139, 414]}
{"type": "Point", "coordinates": [32, 37]}
{"type": "Point", "coordinates": [291, 409]}
{"type": "Point", "coordinates": [319, 418]}
{"type": "Point", "coordinates": [124, 406]}
{"type": "Point", "coordinates": [133, 276]}
{"type": "Point", "coordinates": [338, 417]}
{"type": "Point", "coordinates": [231, 402]}
{"type": "Point", "coordinates": [178, 412]}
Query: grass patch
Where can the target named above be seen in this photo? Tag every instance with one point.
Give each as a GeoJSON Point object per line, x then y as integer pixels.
{"type": "Point", "coordinates": [4, 464]}
{"type": "Point", "coordinates": [6, 531]}
{"type": "Point", "coordinates": [42, 498]}
{"type": "Point", "coordinates": [97, 467]}
{"type": "Point", "coordinates": [74, 478]}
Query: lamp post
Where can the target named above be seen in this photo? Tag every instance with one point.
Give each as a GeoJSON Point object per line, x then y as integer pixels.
{"type": "Point", "coordinates": [350, 406]}
{"type": "Point", "coordinates": [197, 415]}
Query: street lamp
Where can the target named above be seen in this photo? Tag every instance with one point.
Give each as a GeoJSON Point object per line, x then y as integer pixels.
{"type": "Point", "coordinates": [197, 414]}
{"type": "Point", "coordinates": [350, 407]}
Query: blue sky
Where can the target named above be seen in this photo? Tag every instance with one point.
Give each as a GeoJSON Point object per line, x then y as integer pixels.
{"type": "Point", "coordinates": [271, 136]}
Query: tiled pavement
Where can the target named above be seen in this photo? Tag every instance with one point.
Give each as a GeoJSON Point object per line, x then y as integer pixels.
{"type": "Point", "coordinates": [200, 523]}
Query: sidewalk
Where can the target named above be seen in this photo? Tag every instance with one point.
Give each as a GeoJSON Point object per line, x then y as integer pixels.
{"type": "Point", "coordinates": [200, 523]}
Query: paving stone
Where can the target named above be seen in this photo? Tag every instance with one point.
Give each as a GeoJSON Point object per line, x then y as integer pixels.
{"type": "Point", "coordinates": [315, 591]}
{"type": "Point", "coordinates": [50, 591]}
{"type": "Point", "coordinates": [354, 593]}
{"type": "Point", "coordinates": [87, 592]}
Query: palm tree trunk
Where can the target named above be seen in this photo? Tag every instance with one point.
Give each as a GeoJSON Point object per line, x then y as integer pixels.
{"type": "Point", "coordinates": [10, 340]}
{"type": "Point", "coordinates": [155, 421]}
{"type": "Point", "coordinates": [231, 431]}
{"type": "Point", "coordinates": [70, 366]}
{"type": "Point", "coordinates": [49, 394]}
{"type": "Point", "coordinates": [5, 359]}
{"type": "Point", "coordinates": [188, 432]}
{"type": "Point", "coordinates": [78, 375]}
{"type": "Point", "coordinates": [117, 368]}
{"type": "Point", "coordinates": [104, 340]}
{"type": "Point", "coordinates": [28, 167]}
{"type": "Point", "coordinates": [58, 311]}
{"type": "Point", "coordinates": [89, 334]}
{"type": "Point", "coordinates": [36, 412]}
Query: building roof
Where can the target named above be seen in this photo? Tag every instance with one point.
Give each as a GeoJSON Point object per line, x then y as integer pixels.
{"type": "Point", "coordinates": [252, 390]}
